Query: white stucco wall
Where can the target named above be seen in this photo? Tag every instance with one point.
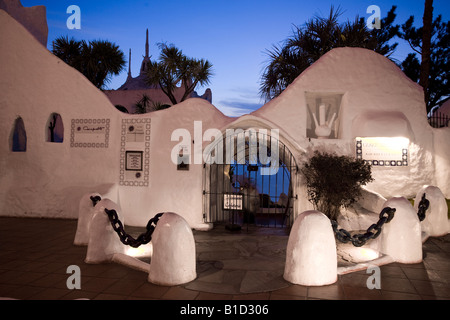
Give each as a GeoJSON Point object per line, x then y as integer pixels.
{"type": "Point", "coordinates": [170, 189]}
{"type": "Point", "coordinates": [441, 146]}
{"type": "Point", "coordinates": [369, 84]}
{"type": "Point", "coordinates": [49, 179]}
{"type": "Point", "coordinates": [33, 18]}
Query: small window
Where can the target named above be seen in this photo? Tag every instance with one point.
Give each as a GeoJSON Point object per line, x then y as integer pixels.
{"type": "Point", "coordinates": [19, 136]}
{"type": "Point", "coordinates": [55, 128]}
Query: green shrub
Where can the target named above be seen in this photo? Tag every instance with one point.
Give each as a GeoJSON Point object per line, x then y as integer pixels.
{"type": "Point", "coordinates": [335, 181]}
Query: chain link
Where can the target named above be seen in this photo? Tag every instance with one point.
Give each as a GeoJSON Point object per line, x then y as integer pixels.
{"type": "Point", "coordinates": [424, 204]}
{"type": "Point", "coordinates": [127, 239]}
{"type": "Point", "coordinates": [359, 240]}
{"type": "Point", "coordinates": [95, 200]}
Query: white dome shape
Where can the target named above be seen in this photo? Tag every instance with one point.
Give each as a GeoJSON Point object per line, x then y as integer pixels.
{"type": "Point", "coordinates": [311, 258]}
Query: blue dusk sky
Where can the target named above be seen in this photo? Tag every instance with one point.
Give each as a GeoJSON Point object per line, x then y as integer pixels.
{"type": "Point", "coordinates": [233, 35]}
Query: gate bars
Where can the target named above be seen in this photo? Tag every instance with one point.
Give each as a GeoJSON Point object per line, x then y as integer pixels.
{"type": "Point", "coordinates": [237, 192]}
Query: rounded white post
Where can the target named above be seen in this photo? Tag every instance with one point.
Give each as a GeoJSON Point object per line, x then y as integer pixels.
{"type": "Point", "coordinates": [86, 211]}
{"type": "Point", "coordinates": [311, 257]}
{"type": "Point", "coordinates": [104, 242]}
{"type": "Point", "coordinates": [435, 223]}
{"type": "Point", "coordinates": [401, 238]}
{"type": "Point", "coordinates": [173, 261]}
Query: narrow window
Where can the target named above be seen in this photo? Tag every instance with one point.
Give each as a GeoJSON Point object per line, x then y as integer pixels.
{"type": "Point", "coordinates": [19, 136]}
{"type": "Point", "coordinates": [55, 128]}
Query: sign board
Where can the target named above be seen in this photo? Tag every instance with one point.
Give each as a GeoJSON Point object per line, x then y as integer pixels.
{"type": "Point", "coordinates": [232, 201]}
{"type": "Point", "coordinates": [135, 152]}
{"type": "Point", "coordinates": [133, 160]}
{"type": "Point", "coordinates": [89, 133]}
{"type": "Point", "coordinates": [383, 151]}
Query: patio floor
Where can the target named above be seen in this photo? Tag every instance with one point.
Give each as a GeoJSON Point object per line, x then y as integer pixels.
{"type": "Point", "coordinates": [35, 254]}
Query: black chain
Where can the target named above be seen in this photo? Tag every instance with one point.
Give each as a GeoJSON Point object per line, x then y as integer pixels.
{"type": "Point", "coordinates": [95, 200]}
{"type": "Point", "coordinates": [125, 238]}
{"type": "Point", "coordinates": [424, 204]}
{"type": "Point", "coordinates": [359, 240]}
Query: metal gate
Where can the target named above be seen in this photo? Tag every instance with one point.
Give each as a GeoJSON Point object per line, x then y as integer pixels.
{"type": "Point", "coordinates": [253, 184]}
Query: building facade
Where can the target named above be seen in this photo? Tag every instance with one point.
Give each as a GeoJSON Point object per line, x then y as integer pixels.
{"type": "Point", "coordinates": [193, 160]}
{"type": "Point", "coordinates": [135, 88]}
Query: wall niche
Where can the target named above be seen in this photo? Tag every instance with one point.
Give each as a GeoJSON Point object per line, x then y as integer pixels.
{"type": "Point", "coordinates": [323, 114]}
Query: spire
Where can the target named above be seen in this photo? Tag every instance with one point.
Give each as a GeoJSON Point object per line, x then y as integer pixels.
{"type": "Point", "coordinates": [129, 65]}
{"type": "Point", "coordinates": [146, 45]}
{"type": "Point", "coordinates": [146, 59]}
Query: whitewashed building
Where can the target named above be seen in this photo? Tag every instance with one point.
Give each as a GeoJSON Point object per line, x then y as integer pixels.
{"type": "Point", "coordinates": [359, 101]}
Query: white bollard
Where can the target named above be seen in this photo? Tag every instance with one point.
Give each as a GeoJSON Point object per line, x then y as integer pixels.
{"type": "Point", "coordinates": [85, 213]}
{"type": "Point", "coordinates": [173, 261]}
{"type": "Point", "coordinates": [401, 238]}
{"type": "Point", "coordinates": [104, 242]}
{"type": "Point", "coordinates": [311, 258]}
{"type": "Point", "coordinates": [435, 223]}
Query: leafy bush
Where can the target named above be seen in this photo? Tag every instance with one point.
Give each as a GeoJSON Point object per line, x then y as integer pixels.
{"type": "Point", "coordinates": [335, 181]}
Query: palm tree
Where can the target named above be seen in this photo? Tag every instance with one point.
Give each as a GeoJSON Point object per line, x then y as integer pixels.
{"type": "Point", "coordinates": [68, 50]}
{"type": "Point", "coordinates": [315, 38]}
{"type": "Point", "coordinates": [142, 106]}
{"type": "Point", "coordinates": [426, 47]}
{"type": "Point", "coordinates": [434, 81]}
{"type": "Point", "coordinates": [97, 60]}
{"type": "Point", "coordinates": [174, 68]}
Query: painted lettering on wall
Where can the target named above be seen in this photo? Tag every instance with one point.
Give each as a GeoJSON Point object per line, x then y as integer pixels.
{"type": "Point", "coordinates": [383, 151]}
{"type": "Point", "coordinates": [89, 133]}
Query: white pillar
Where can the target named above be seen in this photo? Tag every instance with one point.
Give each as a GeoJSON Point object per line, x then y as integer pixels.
{"type": "Point", "coordinates": [311, 257]}
{"type": "Point", "coordinates": [173, 261]}
{"type": "Point", "coordinates": [104, 242]}
{"type": "Point", "coordinates": [401, 238]}
{"type": "Point", "coordinates": [435, 223]}
{"type": "Point", "coordinates": [85, 213]}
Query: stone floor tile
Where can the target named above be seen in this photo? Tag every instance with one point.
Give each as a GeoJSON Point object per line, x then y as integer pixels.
{"type": "Point", "coordinates": [150, 290]}
{"type": "Point", "coordinates": [361, 293]}
{"type": "Point", "coordinates": [397, 285]}
{"type": "Point", "coordinates": [329, 292]}
{"type": "Point", "coordinates": [180, 293]}
{"type": "Point", "coordinates": [123, 287]}
{"type": "Point", "coordinates": [284, 297]}
{"type": "Point", "coordinates": [227, 265]}
{"type": "Point", "coordinates": [391, 295]}
{"type": "Point", "coordinates": [293, 290]}
{"type": "Point", "coordinates": [50, 294]}
{"type": "Point", "coordinates": [431, 289]}
{"type": "Point", "coordinates": [252, 296]}
{"type": "Point", "coordinates": [213, 296]}
{"type": "Point", "coordinates": [110, 296]}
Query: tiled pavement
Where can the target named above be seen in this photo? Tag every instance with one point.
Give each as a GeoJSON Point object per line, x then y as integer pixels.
{"type": "Point", "coordinates": [35, 254]}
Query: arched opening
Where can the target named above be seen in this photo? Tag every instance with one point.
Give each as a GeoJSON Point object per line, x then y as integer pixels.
{"type": "Point", "coordinates": [253, 184]}
{"type": "Point", "coordinates": [55, 128]}
{"type": "Point", "coordinates": [19, 136]}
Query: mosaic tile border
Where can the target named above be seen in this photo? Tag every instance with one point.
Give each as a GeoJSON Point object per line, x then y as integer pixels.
{"type": "Point", "coordinates": [76, 122]}
{"type": "Point", "coordinates": [143, 181]}
{"type": "Point", "coordinates": [382, 163]}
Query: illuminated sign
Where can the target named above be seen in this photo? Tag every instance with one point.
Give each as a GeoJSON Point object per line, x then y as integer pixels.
{"type": "Point", "coordinates": [383, 151]}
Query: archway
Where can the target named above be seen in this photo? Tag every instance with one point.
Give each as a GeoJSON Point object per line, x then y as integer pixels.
{"type": "Point", "coordinates": [254, 184]}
